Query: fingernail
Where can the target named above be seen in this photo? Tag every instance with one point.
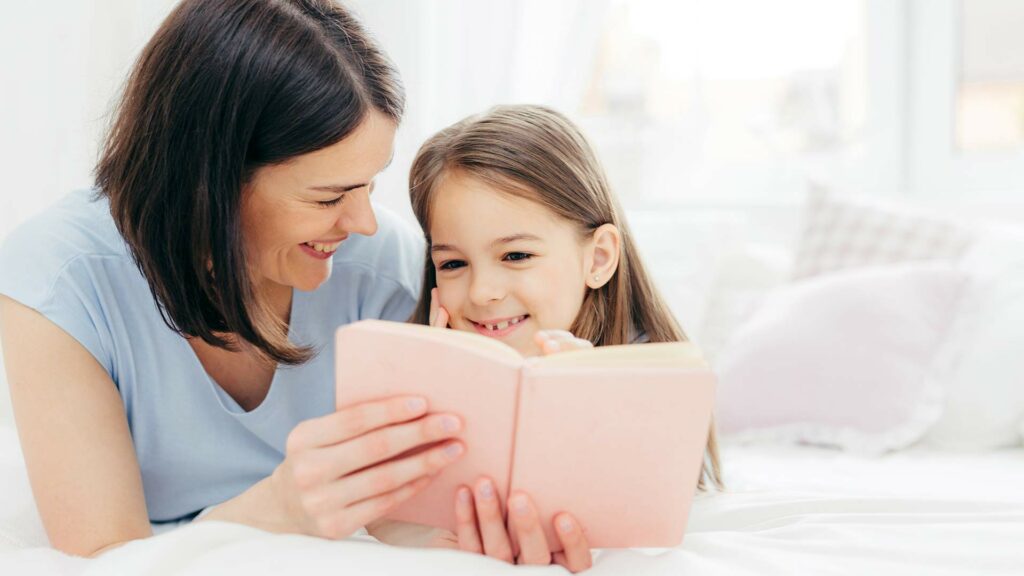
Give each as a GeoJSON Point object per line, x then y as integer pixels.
{"type": "Point", "coordinates": [554, 345]}
{"type": "Point", "coordinates": [565, 524]}
{"type": "Point", "coordinates": [464, 495]}
{"type": "Point", "coordinates": [519, 503]}
{"type": "Point", "coordinates": [486, 490]}
{"type": "Point", "coordinates": [416, 404]}
{"type": "Point", "coordinates": [449, 423]}
{"type": "Point", "coordinates": [453, 450]}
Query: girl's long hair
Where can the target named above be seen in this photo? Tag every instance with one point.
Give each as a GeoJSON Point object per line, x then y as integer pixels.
{"type": "Point", "coordinates": [537, 153]}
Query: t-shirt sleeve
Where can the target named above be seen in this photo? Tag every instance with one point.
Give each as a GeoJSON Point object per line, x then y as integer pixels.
{"type": "Point", "coordinates": [399, 271]}
{"type": "Point", "coordinates": [37, 271]}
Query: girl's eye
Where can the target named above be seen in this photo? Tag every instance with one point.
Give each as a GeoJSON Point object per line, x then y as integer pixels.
{"type": "Point", "coordinates": [518, 256]}
{"type": "Point", "coordinates": [451, 265]}
{"type": "Point", "coordinates": [329, 203]}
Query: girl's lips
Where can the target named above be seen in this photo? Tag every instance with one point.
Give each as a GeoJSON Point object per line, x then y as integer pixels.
{"type": "Point", "coordinates": [316, 253]}
{"type": "Point", "coordinates": [481, 329]}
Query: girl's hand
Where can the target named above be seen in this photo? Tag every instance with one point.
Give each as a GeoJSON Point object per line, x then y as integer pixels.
{"type": "Point", "coordinates": [438, 315]}
{"type": "Point", "coordinates": [480, 529]}
{"type": "Point", "coordinates": [554, 341]}
{"type": "Point", "coordinates": [336, 476]}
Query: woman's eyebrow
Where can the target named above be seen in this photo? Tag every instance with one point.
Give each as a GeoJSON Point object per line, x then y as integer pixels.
{"type": "Point", "coordinates": [341, 188]}
{"type": "Point", "coordinates": [337, 188]}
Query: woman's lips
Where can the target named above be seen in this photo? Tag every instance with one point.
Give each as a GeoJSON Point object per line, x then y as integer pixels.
{"type": "Point", "coordinates": [316, 253]}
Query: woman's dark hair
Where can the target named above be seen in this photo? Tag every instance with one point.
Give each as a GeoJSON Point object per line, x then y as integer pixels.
{"type": "Point", "coordinates": [225, 87]}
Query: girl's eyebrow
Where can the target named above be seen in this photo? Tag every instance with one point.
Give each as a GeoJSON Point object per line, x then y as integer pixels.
{"type": "Point", "coordinates": [503, 240]}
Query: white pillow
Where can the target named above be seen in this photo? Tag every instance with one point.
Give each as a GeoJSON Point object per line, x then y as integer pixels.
{"type": "Point", "coordinates": [985, 386]}
{"type": "Point", "coordinates": [846, 359]}
{"type": "Point", "coordinates": [841, 232]}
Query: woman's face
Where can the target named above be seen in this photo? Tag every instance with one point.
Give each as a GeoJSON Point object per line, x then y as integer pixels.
{"type": "Point", "coordinates": [506, 266]}
{"type": "Point", "coordinates": [295, 214]}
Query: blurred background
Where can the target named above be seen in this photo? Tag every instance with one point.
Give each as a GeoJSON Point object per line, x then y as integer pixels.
{"type": "Point", "coordinates": [712, 117]}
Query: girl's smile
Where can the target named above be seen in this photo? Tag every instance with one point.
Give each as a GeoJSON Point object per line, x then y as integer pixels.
{"type": "Point", "coordinates": [499, 328]}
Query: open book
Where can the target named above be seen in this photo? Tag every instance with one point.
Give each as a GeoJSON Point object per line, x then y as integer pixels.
{"type": "Point", "coordinates": [614, 435]}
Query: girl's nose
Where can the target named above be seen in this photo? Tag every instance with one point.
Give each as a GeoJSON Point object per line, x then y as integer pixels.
{"type": "Point", "coordinates": [358, 216]}
{"type": "Point", "coordinates": [485, 288]}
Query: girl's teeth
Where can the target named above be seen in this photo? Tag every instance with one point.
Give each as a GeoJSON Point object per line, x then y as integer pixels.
{"type": "Point", "coordinates": [504, 324]}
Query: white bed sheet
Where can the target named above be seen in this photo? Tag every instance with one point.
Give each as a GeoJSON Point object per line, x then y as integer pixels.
{"type": "Point", "coordinates": [789, 510]}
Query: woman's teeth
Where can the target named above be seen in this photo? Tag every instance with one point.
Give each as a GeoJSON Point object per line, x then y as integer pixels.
{"type": "Point", "coordinates": [504, 324]}
{"type": "Point", "coordinates": [323, 247]}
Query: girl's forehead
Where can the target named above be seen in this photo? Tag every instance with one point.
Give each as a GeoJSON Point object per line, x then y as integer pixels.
{"type": "Point", "coordinates": [477, 212]}
{"type": "Point", "coordinates": [459, 193]}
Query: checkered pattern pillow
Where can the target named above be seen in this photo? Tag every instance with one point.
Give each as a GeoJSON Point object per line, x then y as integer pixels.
{"type": "Point", "coordinates": [841, 233]}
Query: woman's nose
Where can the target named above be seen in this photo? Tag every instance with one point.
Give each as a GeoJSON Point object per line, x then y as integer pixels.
{"type": "Point", "coordinates": [358, 216]}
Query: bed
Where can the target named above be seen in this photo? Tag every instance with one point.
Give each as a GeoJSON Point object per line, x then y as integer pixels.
{"type": "Point", "coordinates": [787, 510]}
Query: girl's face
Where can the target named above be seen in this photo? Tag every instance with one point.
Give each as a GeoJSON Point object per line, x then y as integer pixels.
{"type": "Point", "coordinates": [506, 266]}
{"type": "Point", "coordinates": [295, 214]}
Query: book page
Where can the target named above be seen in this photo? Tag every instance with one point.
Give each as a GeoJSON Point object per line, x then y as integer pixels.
{"type": "Point", "coordinates": [620, 447]}
{"type": "Point", "coordinates": [655, 354]}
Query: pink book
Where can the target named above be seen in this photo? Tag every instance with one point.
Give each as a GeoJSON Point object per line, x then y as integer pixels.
{"type": "Point", "coordinates": [614, 435]}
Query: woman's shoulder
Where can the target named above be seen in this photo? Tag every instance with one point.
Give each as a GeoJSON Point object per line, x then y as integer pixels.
{"type": "Point", "coordinates": [77, 228]}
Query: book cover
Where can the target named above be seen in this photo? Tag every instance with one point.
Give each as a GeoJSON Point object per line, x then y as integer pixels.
{"type": "Point", "coordinates": [614, 435]}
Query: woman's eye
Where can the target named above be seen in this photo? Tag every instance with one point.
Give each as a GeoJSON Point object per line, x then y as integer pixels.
{"type": "Point", "coordinates": [451, 265]}
{"type": "Point", "coordinates": [329, 203]}
{"type": "Point", "coordinates": [518, 256]}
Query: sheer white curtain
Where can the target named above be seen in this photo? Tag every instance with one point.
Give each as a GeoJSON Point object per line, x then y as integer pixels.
{"type": "Point", "coordinates": [459, 57]}
{"type": "Point", "coordinates": [63, 62]}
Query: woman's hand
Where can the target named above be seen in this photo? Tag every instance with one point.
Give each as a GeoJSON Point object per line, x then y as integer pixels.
{"type": "Point", "coordinates": [336, 476]}
{"type": "Point", "coordinates": [480, 529]}
{"type": "Point", "coordinates": [555, 341]}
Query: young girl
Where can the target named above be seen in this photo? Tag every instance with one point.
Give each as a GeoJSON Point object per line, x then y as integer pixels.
{"type": "Point", "coordinates": [527, 245]}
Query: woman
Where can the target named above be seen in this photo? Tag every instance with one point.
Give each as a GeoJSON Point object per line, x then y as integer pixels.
{"type": "Point", "coordinates": [167, 335]}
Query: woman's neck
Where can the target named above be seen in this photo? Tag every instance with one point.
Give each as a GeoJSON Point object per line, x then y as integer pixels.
{"type": "Point", "coordinates": [279, 297]}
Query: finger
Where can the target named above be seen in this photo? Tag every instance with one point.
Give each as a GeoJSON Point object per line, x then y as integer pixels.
{"type": "Point", "coordinates": [433, 307]}
{"type": "Point", "coordinates": [347, 520]}
{"type": "Point", "coordinates": [560, 335]}
{"type": "Point", "coordinates": [465, 522]}
{"type": "Point", "coordinates": [489, 518]}
{"type": "Point", "coordinates": [331, 462]}
{"type": "Point", "coordinates": [561, 340]}
{"type": "Point", "coordinates": [533, 546]}
{"type": "Point", "coordinates": [354, 421]}
{"type": "Point", "coordinates": [383, 478]}
{"type": "Point", "coordinates": [575, 555]}
{"type": "Point", "coordinates": [442, 318]}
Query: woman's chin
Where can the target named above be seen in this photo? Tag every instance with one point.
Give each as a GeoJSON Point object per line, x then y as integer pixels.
{"type": "Point", "coordinates": [310, 282]}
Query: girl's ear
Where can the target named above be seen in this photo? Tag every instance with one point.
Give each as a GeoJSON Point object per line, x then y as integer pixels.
{"type": "Point", "coordinates": [603, 255]}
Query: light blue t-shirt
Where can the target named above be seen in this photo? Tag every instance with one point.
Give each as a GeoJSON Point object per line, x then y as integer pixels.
{"type": "Point", "coordinates": [195, 445]}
